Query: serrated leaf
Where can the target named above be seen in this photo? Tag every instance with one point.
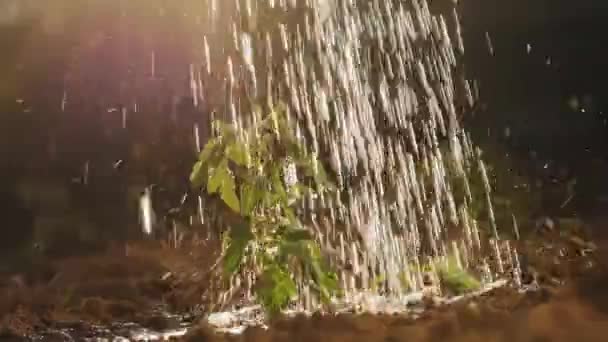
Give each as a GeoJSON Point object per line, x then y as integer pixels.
{"type": "Point", "coordinates": [277, 184]}
{"type": "Point", "coordinates": [329, 286]}
{"type": "Point", "coordinates": [296, 234]}
{"type": "Point", "coordinates": [225, 130]}
{"type": "Point", "coordinates": [291, 216]}
{"type": "Point", "coordinates": [240, 236]}
{"type": "Point", "coordinates": [218, 176]}
{"type": "Point", "coordinates": [208, 150]}
{"type": "Point", "coordinates": [277, 289]}
{"type": "Point", "coordinates": [326, 282]}
{"type": "Point", "coordinates": [455, 278]}
{"type": "Point", "coordinates": [229, 197]}
{"type": "Point", "coordinates": [237, 152]}
{"type": "Point", "coordinates": [276, 223]}
{"type": "Point", "coordinates": [293, 248]}
{"type": "Point", "coordinates": [249, 198]}
{"type": "Point", "coordinates": [197, 176]}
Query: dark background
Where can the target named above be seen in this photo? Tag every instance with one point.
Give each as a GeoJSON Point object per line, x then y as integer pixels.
{"type": "Point", "coordinates": [523, 94]}
{"type": "Point", "coordinates": [520, 94]}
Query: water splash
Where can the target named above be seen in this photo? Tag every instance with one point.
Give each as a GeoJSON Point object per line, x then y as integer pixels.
{"type": "Point", "coordinates": [146, 212]}
{"type": "Point", "coordinates": [375, 88]}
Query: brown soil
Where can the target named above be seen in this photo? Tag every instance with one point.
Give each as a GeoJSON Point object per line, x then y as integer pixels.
{"type": "Point", "coordinates": [503, 316]}
{"type": "Point", "coordinates": [124, 283]}
{"type": "Point", "coordinates": [577, 311]}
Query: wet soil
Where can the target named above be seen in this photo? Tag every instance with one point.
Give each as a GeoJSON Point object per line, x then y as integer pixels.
{"type": "Point", "coordinates": [502, 316]}
{"type": "Point", "coordinates": [570, 304]}
{"type": "Point", "coordinates": [126, 283]}
{"type": "Point", "coordinates": [136, 281]}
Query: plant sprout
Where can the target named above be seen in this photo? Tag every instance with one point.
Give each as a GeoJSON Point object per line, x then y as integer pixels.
{"type": "Point", "coordinates": [261, 174]}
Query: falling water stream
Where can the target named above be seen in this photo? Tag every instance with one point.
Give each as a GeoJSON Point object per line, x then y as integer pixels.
{"type": "Point", "coordinates": [378, 88]}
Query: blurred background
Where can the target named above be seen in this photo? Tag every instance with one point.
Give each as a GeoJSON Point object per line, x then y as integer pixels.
{"type": "Point", "coordinates": [543, 92]}
{"type": "Point", "coordinates": [95, 105]}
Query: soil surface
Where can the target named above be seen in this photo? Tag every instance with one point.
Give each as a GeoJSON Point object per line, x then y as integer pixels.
{"type": "Point", "coordinates": [504, 315]}
{"type": "Point", "coordinates": [128, 283]}
{"type": "Point", "coordinates": [138, 281]}
{"type": "Point", "coordinates": [570, 303]}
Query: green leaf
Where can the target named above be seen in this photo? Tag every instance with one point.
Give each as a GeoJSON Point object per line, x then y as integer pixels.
{"type": "Point", "coordinates": [277, 183]}
{"type": "Point", "coordinates": [326, 282]}
{"type": "Point", "coordinates": [293, 248]}
{"type": "Point", "coordinates": [225, 130]}
{"type": "Point", "coordinates": [237, 152]}
{"type": "Point", "coordinates": [257, 183]}
{"type": "Point", "coordinates": [221, 180]}
{"type": "Point", "coordinates": [218, 176]}
{"type": "Point", "coordinates": [229, 196]}
{"type": "Point", "coordinates": [240, 236]}
{"type": "Point", "coordinates": [208, 150]}
{"type": "Point", "coordinates": [250, 196]}
{"type": "Point", "coordinates": [313, 167]}
{"type": "Point", "coordinates": [455, 278]}
{"type": "Point", "coordinates": [295, 234]}
{"type": "Point", "coordinates": [277, 289]}
{"type": "Point", "coordinates": [293, 195]}
{"type": "Point", "coordinates": [197, 176]}
{"type": "Point", "coordinates": [308, 253]}
{"type": "Point", "coordinates": [291, 216]}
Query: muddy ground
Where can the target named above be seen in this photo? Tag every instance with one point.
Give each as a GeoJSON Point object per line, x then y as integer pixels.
{"type": "Point", "coordinates": [131, 282]}
{"type": "Point", "coordinates": [566, 315]}
{"type": "Point", "coordinates": [570, 305]}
